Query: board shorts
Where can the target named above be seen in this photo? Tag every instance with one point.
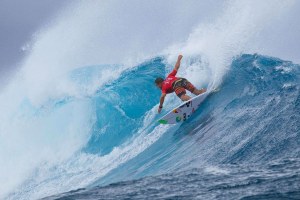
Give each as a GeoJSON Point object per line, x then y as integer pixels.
{"type": "Point", "coordinates": [181, 85]}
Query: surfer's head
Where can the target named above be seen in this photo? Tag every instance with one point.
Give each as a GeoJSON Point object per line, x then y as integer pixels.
{"type": "Point", "coordinates": [158, 82]}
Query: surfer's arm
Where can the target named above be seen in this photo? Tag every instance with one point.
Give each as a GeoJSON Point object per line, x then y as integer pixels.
{"type": "Point", "coordinates": [177, 65]}
{"type": "Point", "coordinates": [161, 102]}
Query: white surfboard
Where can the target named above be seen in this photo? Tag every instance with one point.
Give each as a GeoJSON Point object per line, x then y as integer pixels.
{"type": "Point", "coordinates": [184, 111]}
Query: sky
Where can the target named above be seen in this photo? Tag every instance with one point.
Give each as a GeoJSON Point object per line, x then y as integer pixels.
{"type": "Point", "coordinates": [19, 20]}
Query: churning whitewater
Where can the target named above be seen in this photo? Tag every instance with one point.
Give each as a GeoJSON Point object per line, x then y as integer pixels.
{"type": "Point", "coordinates": [79, 118]}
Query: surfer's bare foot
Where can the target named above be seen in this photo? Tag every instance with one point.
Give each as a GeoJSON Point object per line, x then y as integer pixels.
{"type": "Point", "coordinates": [185, 97]}
{"type": "Point", "coordinates": [197, 92]}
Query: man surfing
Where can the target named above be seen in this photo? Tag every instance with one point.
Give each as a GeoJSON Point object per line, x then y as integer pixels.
{"type": "Point", "coordinates": [177, 85]}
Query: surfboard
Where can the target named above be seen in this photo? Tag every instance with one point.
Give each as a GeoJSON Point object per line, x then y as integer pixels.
{"type": "Point", "coordinates": [183, 111]}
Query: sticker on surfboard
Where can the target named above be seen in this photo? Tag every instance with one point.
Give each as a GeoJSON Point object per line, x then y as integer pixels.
{"type": "Point", "coordinates": [183, 111]}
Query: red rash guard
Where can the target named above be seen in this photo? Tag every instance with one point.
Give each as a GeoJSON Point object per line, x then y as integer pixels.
{"type": "Point", "coordinates": [167, 84]}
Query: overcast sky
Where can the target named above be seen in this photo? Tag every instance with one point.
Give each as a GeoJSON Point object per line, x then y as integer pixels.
{"type": "Point", "coordinates": [19, 19]}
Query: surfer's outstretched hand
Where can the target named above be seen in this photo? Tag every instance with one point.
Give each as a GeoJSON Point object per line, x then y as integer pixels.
{"type": "Point", "coordinates": [159, 109]}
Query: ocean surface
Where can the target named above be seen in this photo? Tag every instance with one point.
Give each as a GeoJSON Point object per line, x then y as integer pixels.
{"type": "Point", "coordinates": [79, 117]}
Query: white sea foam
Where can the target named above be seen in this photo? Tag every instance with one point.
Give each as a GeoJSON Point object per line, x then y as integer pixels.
{"type": "Point", "coordinates": [236, 30]}
{"type": "Point", "coordinates": [84, 169]}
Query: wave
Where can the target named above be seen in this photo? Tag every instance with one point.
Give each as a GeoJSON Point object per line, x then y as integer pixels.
{"type": "Point", "coordinates": [244, 136]}
{"type": "Point", "coordinates": [253, 118]}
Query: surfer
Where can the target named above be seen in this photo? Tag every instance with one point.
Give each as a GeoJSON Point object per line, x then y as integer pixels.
{"type": "Point", "coordinates": [177, 85]}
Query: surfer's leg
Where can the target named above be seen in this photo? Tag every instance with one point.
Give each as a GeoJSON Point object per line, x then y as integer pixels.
{"type": "Point", "coordinates": [181, 93]}
{"type": "Point", "coordinates": [197, 92]}
{"type": "Point", "coordinates": [190, 87]}
{"type": "Point", "coordinates": [185, 97]}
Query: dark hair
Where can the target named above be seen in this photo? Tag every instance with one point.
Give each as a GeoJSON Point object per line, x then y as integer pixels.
{"type": "Point", "coordinates": [159, 80]}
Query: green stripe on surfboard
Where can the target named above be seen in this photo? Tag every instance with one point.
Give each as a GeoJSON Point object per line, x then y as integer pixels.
{"type": "Point", "coordinates": [162, 121]}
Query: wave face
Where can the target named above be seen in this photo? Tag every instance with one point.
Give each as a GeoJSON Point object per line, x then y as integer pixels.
{"type": "Point", "coordinates": [252, 118]}
{"type": "Point", "coordinates": [244, 135]}
{"type": "Point", "coordinates": [243, 143]}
